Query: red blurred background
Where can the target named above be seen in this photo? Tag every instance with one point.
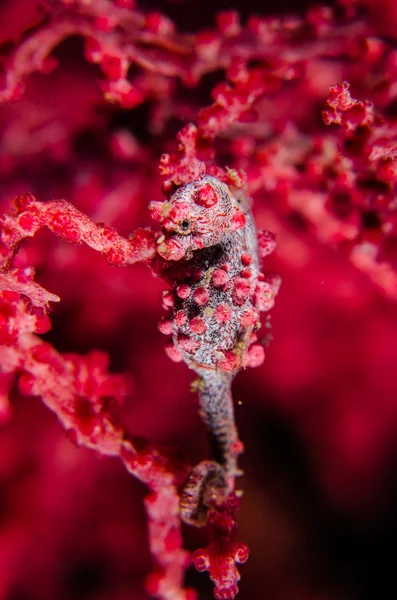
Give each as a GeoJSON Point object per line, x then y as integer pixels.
{"type": "Point", "coordinates": [318, 419]}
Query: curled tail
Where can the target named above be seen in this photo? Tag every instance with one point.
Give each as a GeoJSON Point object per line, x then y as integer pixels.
{"type": "Point", "coordinates": [211, 480]}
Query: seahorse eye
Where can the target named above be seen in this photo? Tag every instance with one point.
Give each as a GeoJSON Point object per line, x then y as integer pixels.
{"type": "Point", "coordinates": [185, 225]}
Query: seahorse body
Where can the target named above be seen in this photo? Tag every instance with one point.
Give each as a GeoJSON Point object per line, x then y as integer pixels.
{"type": "Point", "coordinates": [215, 299]}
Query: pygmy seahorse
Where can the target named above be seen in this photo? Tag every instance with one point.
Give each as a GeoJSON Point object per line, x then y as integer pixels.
{"type": "Point", "coordinates": [212, 261]}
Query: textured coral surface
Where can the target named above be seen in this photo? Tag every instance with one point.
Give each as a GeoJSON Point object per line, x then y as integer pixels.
{"type": "Point", "coordinates": [133, 138]}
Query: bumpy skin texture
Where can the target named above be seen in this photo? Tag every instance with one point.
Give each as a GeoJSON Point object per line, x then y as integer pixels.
{"type": "Point", "coordinates": [213, 308]}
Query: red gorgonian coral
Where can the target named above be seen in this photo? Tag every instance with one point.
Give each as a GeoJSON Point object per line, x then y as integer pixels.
{"type": "Point", "coordinates": [208, 231]}
{"type": "Point", "coordinates": [95, 97]}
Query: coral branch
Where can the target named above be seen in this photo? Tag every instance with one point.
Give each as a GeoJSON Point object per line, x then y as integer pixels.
{"type": "Point", "coordinates": [21, 281]}
{"type": "Point", "coordinates": [76, 389]}
{"type": "Point", "coordinates": [72, 225]}
{"type": "Point", "coordinates": [223, 552]}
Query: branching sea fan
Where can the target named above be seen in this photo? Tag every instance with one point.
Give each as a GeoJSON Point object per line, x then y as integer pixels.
{"type": "Point", "coordinates": [185, 145]}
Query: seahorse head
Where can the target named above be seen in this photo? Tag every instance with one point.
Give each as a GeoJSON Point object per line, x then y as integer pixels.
{"type": "Point", "coordinates": [197, 215]}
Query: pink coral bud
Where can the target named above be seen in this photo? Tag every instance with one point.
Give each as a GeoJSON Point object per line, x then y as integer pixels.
{"type": "Point", "coordinates": [246, 259]}
{"type": "Point", "coordinates": [274, 280]}
{"type": "Point", "coordinates": [165, 326]}
{"type": "Point", "coordinates": [257, 25]}
{"type": "Point", "coordinates": [201, 296]}
{"type": "Point", "coordinates": [212, 118]}
{"type": "Point", "coordinates": [45, 353]}
{"type": "Point", "coordinates": [264, 297]}
{"type": "Point", "coordinates": [11, 297]}
{"type": "Point", "coordinates": [42, 352]}
{"type": "Point", "coordinates": [387, 171]}
{"type": "Point", "coordinates": [60, 224]}
{"type": "Point", "coordinates": [7, 308]}
{"type": "Point", "coordinates": [242, 553]}
{"type": "Point", "coordinates": [153, 583]}
{"type": "Point", "coordinates": [141, 238]}
{"type": "Point", "coordinates": [221, 93]}
{"type": "Point", "coordinates": [26, 384]}
{"type": "Point", "coordinates": [319, 16]}
{"type": "Point", "coordinates": [144, 460]}
{"type": "Point", "coordinates": [266, 243]}
{"type": "Point", "coordinates": [122, 91]}
{"type": "Point", "coordinates": [223, 313]}
{"type": "Point", "coordinates": [183, 291]}
{"type": "Point", "coordinates": [173, 540]}
{"type": "Point", "coordinates": [219, 279]}
{"type": "Point", "coordinates": [156, 210]}
{"type": "Point", "coordinates": [206, 196]}
{"type": "Point", "coordinates": [241, 291]}
{"type": "Point", "coordinates": [198, 242]}
{"type": "Point", "coordinates": [235, 178]}
{"type": "Point", "coordinates": [208, 44]}
{"type": "Point", "coordinates": [130, 97]}
{"type": "Point", "coordinates": [115, 258]}
{"type": "Point", "coordinates": [159, 24]}
{"type": "Point", "coordinates": [172, 352]}
{"type": "Point", "coordinates": [228, 23]}
{"type": "Point", "coordinates": [180, 318]}
{"type": "Point", "coordinates": [226, 593]}
{"type": "Point", "coordinates": [124, 145]}
{"type": "Point", "coordinates": [180, 211]}
{"type": "Point", "coordinates": [250, 317]}
{"type": "Point", "coordinates": [7, 338]}
{"type": "Point", "coordinates": [188, 344]}
{"type": "Point", "coordinates": [344, 110]}
{"type": "Point", "coordinates": [168, 299]}
{"type": "Point", "coordinates": [151, 499]}
{"type": "Point", "coordinates": [85, 415]}
{"type": "Point", "coordinates": [230, 362]}
{"type": "Point", "coordinates": [201, 560]}
{"type": "Point", "coordinates": [255, 356]}
{"type": "Point", "coordinates": [246, 273]}
{"type": "Point", "coordinates": [93, 50]}
{"type": "Point", "coordinates": [217, 172]}
{"type": "Point", "coordinates": [339, 100]}
{"type": "Point", "coordinates": [43, 324]}
{"type": "Point", "coordinates": [238, 220]}
{"type": "Point", "coordinates": [168, 224]}
{"type": "Point", "coordinates": [171, 250]}
{"type": "Point", "coordinates": [237, 448]}
{"type": "Point", "coordinates": [108, 232]}
{"type": "Point", "coordinates": [237, 72]}
{"type": "Point", "coordinates": [24, 274]}
{"type": "Point", "coordinates": [24, 201]}
{"type": "Point", "coordinates": [113, 66]}
{"type": "Point", "coordinates": [198, 325]}
{"type": "Point", "coordinates": [105, 23]}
